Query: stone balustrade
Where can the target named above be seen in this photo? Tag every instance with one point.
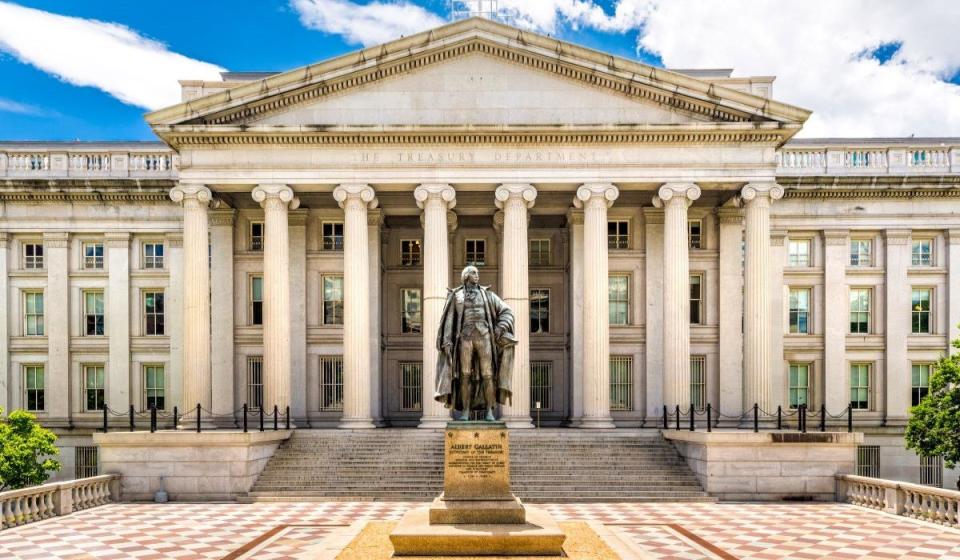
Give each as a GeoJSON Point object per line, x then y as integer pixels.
{"type": "Point", "coordinates": [19, 507]}
{"type": "Point", "coordinates": [813, 157]}
{"type": "Point", "coordinates": [925, 503]}
{"type": "Point", "coordinates": [76, 160]}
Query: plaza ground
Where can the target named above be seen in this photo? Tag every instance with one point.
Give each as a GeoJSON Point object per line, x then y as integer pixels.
{"type": "Point", "coordinates": [283, 530]}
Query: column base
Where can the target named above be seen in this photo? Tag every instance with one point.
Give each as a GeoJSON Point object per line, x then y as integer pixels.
{"type": "Point", "coordinates": [597, 423]}
{"type": "Point", "coordinates": [433, 422]}
{"type": "Point", "coordinates": [356, 424]}
{"type": "Point", "coordinates": [518, 422]}
{"type": "Point", "coordinates": [206, 425]}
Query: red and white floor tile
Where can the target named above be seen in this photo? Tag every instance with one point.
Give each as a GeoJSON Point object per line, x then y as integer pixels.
{"type": "Point", "coordinates": [280, 531]}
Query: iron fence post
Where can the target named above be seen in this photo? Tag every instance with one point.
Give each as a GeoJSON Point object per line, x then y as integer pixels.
{"type": "Point", "coordinates": [709, 418]}
{"type": "Point", "coordinates": [153, 418]}
{"type": "Point", "coordinates": [274, 417]}
{"type": "Point", "coordinates": [849, 418]}
{"type": "Point", "coordinates": [665, 419]}
{"type": "Point", "coordinates": [198, 418]}
{"type": "Point", "coordinates": [288, 417]}
{"type": "Point", "coordinates": [261, 417]}
{"type": "Point", "coordinates": [823, 417]}
{"type": "Point", "coordinates": [677, 411]}
{"type": "Point", "coordinates": [132, 423]}
{"type": "Point", "coordinates": [244, 417]}
{"type": "Point", "coordinates": [693, 427]}
{"type": "Point", "coordinates": [105, 422]}
{"type": "Point", "coordinates": [779, 417]}
{"type": "Point", "coordinates": [756, 417]}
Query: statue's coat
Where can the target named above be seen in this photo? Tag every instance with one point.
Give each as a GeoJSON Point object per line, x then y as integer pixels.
{"type": "Point", "coordinates": [499, 315]}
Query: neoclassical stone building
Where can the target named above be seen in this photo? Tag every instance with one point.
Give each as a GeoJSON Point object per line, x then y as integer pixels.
{"type": "Point", "coordinates": [659, 235]}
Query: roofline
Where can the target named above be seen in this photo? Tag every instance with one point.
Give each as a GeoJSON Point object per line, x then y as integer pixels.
{"type": "Point", "coordinates": [878, 140]}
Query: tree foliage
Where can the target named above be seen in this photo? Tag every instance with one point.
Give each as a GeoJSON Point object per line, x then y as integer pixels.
{"type": "Point", "coordinates": [26, 451]}
{"type": "Point", "coordinates": [934, 427]}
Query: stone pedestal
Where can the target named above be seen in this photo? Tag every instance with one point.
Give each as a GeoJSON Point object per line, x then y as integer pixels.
{"type": "Point", "coordinates": [477, 514]}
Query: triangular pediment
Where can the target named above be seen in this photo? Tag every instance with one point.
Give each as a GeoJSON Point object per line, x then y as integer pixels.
{"type": "Point", "coordinates": [476, 72]}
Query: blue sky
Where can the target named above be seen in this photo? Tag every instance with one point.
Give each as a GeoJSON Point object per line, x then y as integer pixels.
{"type": "Point", "coordinates": [866, 67]}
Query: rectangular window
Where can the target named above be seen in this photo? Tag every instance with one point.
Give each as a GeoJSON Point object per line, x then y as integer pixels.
{"type": "Point", "coordinates": [331, 383]}
{"type": "Point", "coordinates": [254, 382]}
{"type": "Point", "coordinates": [800, 310]}
{"type": "Point", "coordinates": [154, 387]}
{"type": "Point", "coordinates": [476, 252]}
{"type": "Point", "coordinates": [698, 382]}
{"type": "Point", "coordinates": [860, 386]}
{"type": "Point", "coordinates": [333, 300]}
{"type": "Point", "coordinates": [621, 383]}
{"type": "Point", "coordinates": [93, 324]}
{"type": "Point", "coordinates": [256, 300]}
{"type": "Point", "coordinates": [868, 460]}
{"type": "Point", "coordinates": [860, 252]}
{"type": "Point", "coordinates": [920, 311]}
{"type": "Point", "coordinates": [411, 313]}
{"type": "Point", "coordinates": [859, 310]}
{"type": "Point", "coordinates": [541, 386]}
{"type": "Point", "coordinates": [411, 386]}
{"type": "Point", "coordinates": [696, 299]}
{"type": "Point", "coordinates": [153, 255]}
{"type": "Point", "coordinates": [799, 252]}
{"type": "Point", "coordinates": [33, 388]}
{"type": "Point", "coordinates": [33, 255]}
{"type": "Point", "coordinates": [93, 256]}
{"type": "Point", "coordinates": [619, 294]}
{"type": "Point", "coordinates": [332, 236]}
{"type": "Point", "coordinates": [618, 234]}
{"type": "Point", "coordinates": [799, 385]}
{"type": "Point", "coordinates": [931, 471]}
{"type": "Point", "coordinates": [921, 253]}
{"type": "Point", "coordinates": [153, 313]}
{"type": "Point", "coordinates": [539, 310]}
{"type": "Point", "coordinates": [695, 233]}
{"type": "Point", "coordinates": [410, 252]}
{"type": "Point", "coordinates": [85, 461]}
{"type": "Point", "coordinates": [93, 387]}
{"type": "Point", "coordinates": [539, 252]}
{"type": "Point", "coordinates": [33, 314]}
{"type": "Point", "coordinates": [920, 382]}
{"type": "Point", "coordinates": [256, 236]}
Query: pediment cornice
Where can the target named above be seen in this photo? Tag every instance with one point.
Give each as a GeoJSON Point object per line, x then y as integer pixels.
{"type": "Point", "coordinates": [701, 100]}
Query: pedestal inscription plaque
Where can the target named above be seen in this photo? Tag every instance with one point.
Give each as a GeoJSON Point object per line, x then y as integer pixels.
{"type": "Point", "coordinates": [477, 461]}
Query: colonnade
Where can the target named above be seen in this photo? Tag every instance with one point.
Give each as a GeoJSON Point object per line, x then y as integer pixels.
{"type": "Point", "coordinates": [590, 345]}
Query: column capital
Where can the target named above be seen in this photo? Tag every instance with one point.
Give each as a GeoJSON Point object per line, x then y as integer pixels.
{"type": "Point", "coordinates": [498, 219]}
{"type": "Point", "coordinates": [186, 191]}
{"type": "Point", "coordinates": [521, 191]}
{"type": "Point", "coordinates": [574, 216]}
{"type": "Point", "coordinates": [953, 236]}
{"type": "Point", "coordinates": [222, 217]}
{"type": "Point", "coordinates": [652, 215]}
{"type": "Point", "coordinates": [375, 217]}
{"type": "Point", "coordinates": [596, 192]}
{"type": "Point", "coordinates": [174, 240]}
{"type": "Point", "coordinates": [436, 191]}
{"type": "Point", "coordinates": [298, 218]}
{"type": "Point", "coordinates": [117, 239]}
{"type": "Point", "coordinates": [835, 236]}
{"type": "Point", "coordinates": [355, 191]}
{"type": "Point", "coordinates": [777, 237]}
{"type": "Point", "coordinates": [56, 240]}
{"type": "Point", "coordinates": [750, 191]}
{"type": "Point", "coordinates": [270, 192]}
{"type": "Point", "coordinates": [897, 236]}
{"type": "Point", "coordinates": [4, 239]}
{"type": "Point", "coordinates": [687, 192]}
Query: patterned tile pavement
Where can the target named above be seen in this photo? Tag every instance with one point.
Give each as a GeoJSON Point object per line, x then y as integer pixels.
{"type": "Point", "coordinates": [279, 531]}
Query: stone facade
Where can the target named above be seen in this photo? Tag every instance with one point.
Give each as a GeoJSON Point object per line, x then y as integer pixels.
{"type": "Point", "coordinates": [669, 248]}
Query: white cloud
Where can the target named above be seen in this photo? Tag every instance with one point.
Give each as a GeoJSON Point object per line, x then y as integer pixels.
{"type": "Point", "coordinates": [10, 106]}
{"type": "Point", "coordinates": [366, 24]}
{"type": "Point", "coordinates": [107, 56]}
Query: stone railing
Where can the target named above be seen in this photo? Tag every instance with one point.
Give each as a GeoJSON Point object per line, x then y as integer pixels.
{"type": "Point", "coordinates": [93, 161]}
{"type": "Point", "coordinates": [19, 507]}
{"type": "Point", "coordinates": [808, 158]}
{"type": "Point", "coordinates": [926, 503]}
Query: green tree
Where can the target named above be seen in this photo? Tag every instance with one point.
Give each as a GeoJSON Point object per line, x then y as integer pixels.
{"type": "Point", "coordinates": [26, 451]}
{"type": "Point", "coordinates": [934, 427]}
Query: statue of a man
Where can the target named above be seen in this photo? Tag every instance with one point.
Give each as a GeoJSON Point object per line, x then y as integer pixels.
{"type": "Point", "coordinates": [476, 341]}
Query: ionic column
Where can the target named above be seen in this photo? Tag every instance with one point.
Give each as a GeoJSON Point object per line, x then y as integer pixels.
{"type": "Point", "coordinates": [196, 296]}
{"type": "Point", "coordinates": [595, 198]}
{"type": "Point", "coordinates": [57, 323]}
{"type": "Point", "coordinates": [514, 200]}
{"type": "Point", "coordinates": [953, 290]}
{"type": "Point", "coordinates": [118, 327]}
{"type": "Point", "coordinates": [731, 309]}
{"type": "Point", "coordinates": [276, 200]}
{"type": "Point", "coordinates": [757, 334]}
{"type": "Point", "coordinates": [836, 319]}
{"type": "Point", "coordinates": [5, 381]}
{"type": "Point", "coordinates": [221, 311]}
{"type": "Point", "coordinates": [374, 223]}
{"type": "Point", "coordinates": [675, 198]}
{"type": "Point", "coordinates": [575, 223]}
{"type": "Point", "coordinates": [897, 329]}
{"type": "Point", "coordinates": [435, 200]}
{"type": "Point", "coordinates": [355, 199]}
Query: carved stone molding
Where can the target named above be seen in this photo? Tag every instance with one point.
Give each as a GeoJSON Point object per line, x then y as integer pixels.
{"type": "Point", "coordinates": [953, 236]}
{"type": "Point", "coordinates": [777, 237]}
{"type": "Point", "coordinates": [298, 218]}
{"type": "Point", "coordinates": [435, 191]}
{"type": "Point", "coordinates": [56, 240]}
{"type": "Point", "coordinates": [355, 191]}
{"type": "Point", "coordinates": [375, 217]}
{"type": "Point", "coordinates": [275, 194]}
{"type": "Point", "coordinates": [117, 240]}
{"type": "Point", "coordinates": [897, 236]}
{"type": "Point", "coordinates": [730, 215]}
{"type": "Point", "coordinates": [653, 215]}
{"type": "Point", "coordinates": [174, 240]}
{"type": "Point", "coordinates": [574, 216]}
{"type": "Point", "coordinates": [4, 240]}
{"type": "Point", "coordinates": [222, 217]}
{"type": "Point", "coordinates": [836, 236]}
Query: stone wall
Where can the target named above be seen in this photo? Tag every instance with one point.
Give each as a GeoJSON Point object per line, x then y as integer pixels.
{"type": "Point", "coordinates": [216, 465]}
{"type": "Point", "coordinates": [768, 466]}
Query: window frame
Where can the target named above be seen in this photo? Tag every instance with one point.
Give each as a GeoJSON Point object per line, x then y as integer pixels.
{"type": "Point", "coordinates": [698, 386]}
{"type": "Point", "coordinates": [147, 387]}
{"type": "Point", "coordinates": [255, 242]}
{"type": "Point", "coordinates": [39, 392]}
{"type": "Point", "coordinates": [409, 256]}
{"type": "Point", "coordinates": [254, 389]}
{"type": "Point", "coordinates": [335, 386]}
{"type": "Point", "coordinates": [862, 367]}
{"type": "Point", "coordinates": [915, 256]}
{"type": "Point", "coordinates": [798, 312]}
{"type": "Point", "coordinates": [540, 242]}
{"type": "Point", "coordinates": [794, 259]}
{"type": "Point", "coordinates": [916, 315]}
{"type": "Point", "coordinates": [540, 392]}
{"type": "Point", "coordinates": [253, 301]}
{"type": "Point", "coordinates": [623, 387]}
{"type": "Point", "coordinates": [39, 318]}
{"type": "Point", "coordinates": [34, 261]}
{"type": "Point", "coordinates": [700, 276]}
{"type": "Point", "coordinates": [101, 380]}
{"type": "Point", "coordinates": [619, 240]}
{"type": "Point", "coordinates": [333, 241]}
{"type": "Point", "coordinates": [542, 311]}
{"type": "Point", "coordinates": [479, 249]}
{"type": "Point", "coordinates": [860, 313]}
{"type": "Point", "coordinates": [85, 262]}
{"type": "Point", "coordinates": [857, 257]}
{"type": "Point", "coordinates": [794, 385]}
{"type": "Point", "coordinates": [154, 261]}
{"type": "Point", "coordinates": [412, 391]}
{"type": "Point", "coordinates": [87, 314]}
{"type": "Point", "coordinates": [625, 301]}
{"type": "Point", "coordinates": [415, 327]}
{"type": "Point", "coordinates": [691, 222]}
{"type": "Point", "coordinates": [144, 293]}
{"type": "Point", "coordinates": [324, 302]}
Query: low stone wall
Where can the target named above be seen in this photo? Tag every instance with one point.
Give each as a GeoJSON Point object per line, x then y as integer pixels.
{"type": "Point", "coordinates": [209, 466]}
{"type": "Point", "coordinates": [768, 466]}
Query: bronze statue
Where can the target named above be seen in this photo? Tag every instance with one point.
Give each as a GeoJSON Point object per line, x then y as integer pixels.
{"type": "Point", "coordinates": [476, 341]}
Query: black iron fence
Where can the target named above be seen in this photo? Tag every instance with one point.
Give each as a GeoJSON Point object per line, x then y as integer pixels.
{"type": "Point", "coordinates": [195, 419]}
{"type": "Point", "coordinates": [755, 418]}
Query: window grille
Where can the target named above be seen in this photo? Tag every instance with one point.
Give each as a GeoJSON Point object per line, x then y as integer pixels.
{"type": "Point", "coordinates": [539, 310]}
{"type": "Point", "coordinates": [93, 256]}
{"type": "Point", "coordinates": [93, 381]}
{"type": "Point", "coordinates": [931, 471]}
{"type": "Point", "coordinates": [411, 386]}
{"type": "Point", "coordinates": [868, 460]}
{"type": "Point", "coordinates": [33, 255]}
{"type": "Point", "coordinates": [619, 294]}
{"type": "Point", "coordinates": [698, 382]}
{"type": "Point", "coordinates": [410, 252]}
{"type": "Point", "coordinates": [476, 252]}
{"type": "Point", "coordinates": [85, 461]}
{"type": "Point", "coordinates": [541, 384]}
{"type": "Point", "coordinates": [800, 310]}
{"type": "Point", "coordinates": [539, 252]}
{"type": "Point", "coordinates": [254, 382]}
{"type": "Point", "coordinates": [621, 383]}
{"type": "Point", "coordinates": [618, 234]}
{"type": "Point", "coordinates": [331, 383]}
{"type": "Point", "coordinates": [695, 234]}
{"type": "Point", "coordinates": [153, 255]}
{"type": "Point", "coordinates": [333, 300]}
{"type": "Point", "coordinates": [333, 236]}
{"type": "Point", "coordinates": [256, 236]}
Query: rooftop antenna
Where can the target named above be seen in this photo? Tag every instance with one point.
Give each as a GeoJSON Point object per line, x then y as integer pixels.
{"type": "Point", "coordinates": [463, 9]}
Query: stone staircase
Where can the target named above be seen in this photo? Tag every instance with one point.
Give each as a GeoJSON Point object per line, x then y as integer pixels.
{"type": "Point", "coordinates": [549, 465]}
